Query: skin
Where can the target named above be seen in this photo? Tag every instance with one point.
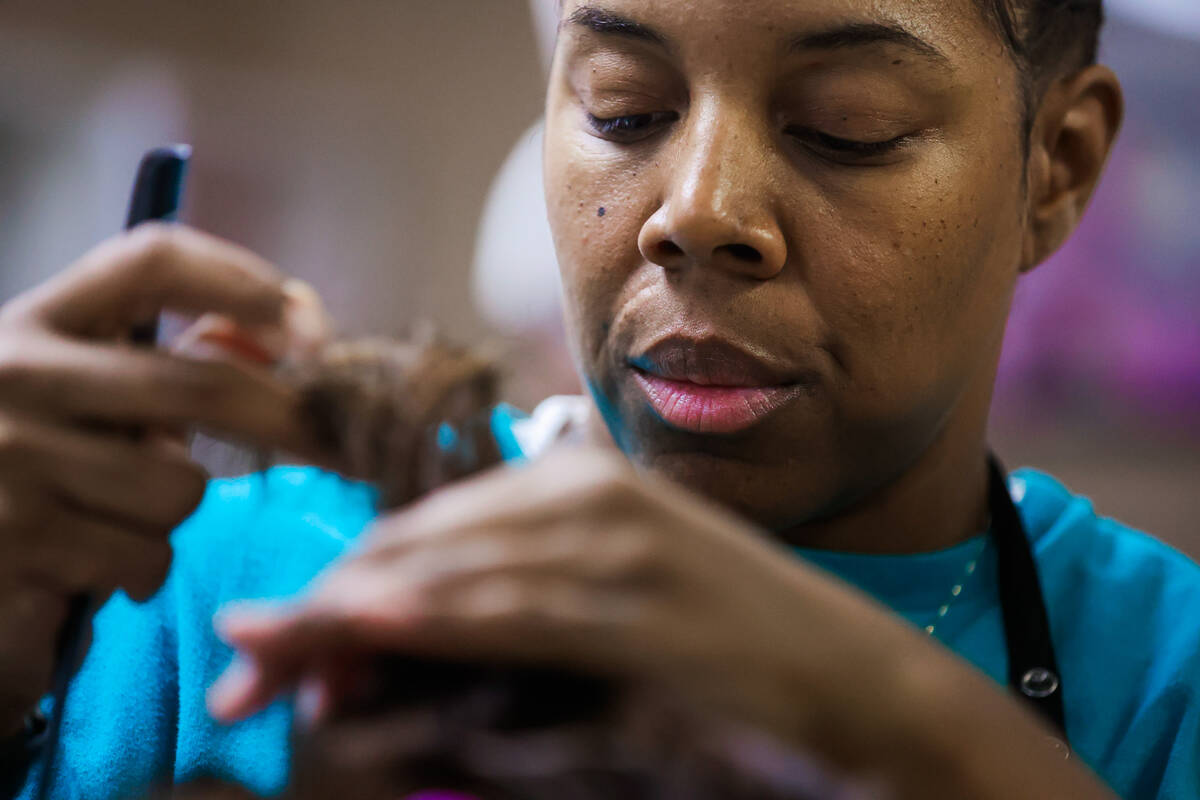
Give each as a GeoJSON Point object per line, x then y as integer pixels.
{"type": "Point", "coordinates": [889, 278]}
{"type": "Point", "coordinates": [86, 504]}
{"type": "Point", "coordinates": [887, 283]}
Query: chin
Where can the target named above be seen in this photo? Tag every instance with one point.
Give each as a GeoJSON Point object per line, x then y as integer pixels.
{"type": "Point", "coordinates": [779, 473]}
{"type": "Point", "coordinates": [765, 483]}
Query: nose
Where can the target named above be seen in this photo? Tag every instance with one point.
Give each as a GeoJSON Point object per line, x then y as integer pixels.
{"type": "Point", "coordinates": [717, 208]}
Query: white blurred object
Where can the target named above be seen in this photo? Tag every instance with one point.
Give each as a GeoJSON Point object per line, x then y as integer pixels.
{"type": "Point", "coordinates": [515, 282]}
{"type": "Point", "coordinates": [545, 25]}
{"type": "Point", "coordinates": [1175, 17]}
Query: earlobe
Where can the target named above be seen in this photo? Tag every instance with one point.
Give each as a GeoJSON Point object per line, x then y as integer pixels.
{"type": "Point", "coordinates": [1073, 135]}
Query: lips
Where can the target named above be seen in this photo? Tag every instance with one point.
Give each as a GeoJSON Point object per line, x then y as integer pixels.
{"type": "Point", "coordinates": [713, 386]}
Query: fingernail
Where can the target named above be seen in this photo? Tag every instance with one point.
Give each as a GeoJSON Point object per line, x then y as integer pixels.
{"type": "Point", "coordinates": [236, 621]}
{"type": "Point", "coordinates": [225, 624]}
{"type": "Point", "coordinates": [304, 318]}
{"type": "Point", "coordinates": [310, 702]}
{"type": "Point", "coordinates": [233, 689]}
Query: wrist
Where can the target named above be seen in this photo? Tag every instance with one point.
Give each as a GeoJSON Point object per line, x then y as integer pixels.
{"type": "Point", "coordinates": [894, 717]}
{"type": "Point", "coordinates": [955, 733]}
{"type": "Point", "coordinates": [933, 736]}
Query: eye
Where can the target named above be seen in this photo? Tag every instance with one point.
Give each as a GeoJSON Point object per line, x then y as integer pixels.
{"type": "Point", "coordinates": [630, 127]}
{"type": "Point", "coordinates": [850, 151]}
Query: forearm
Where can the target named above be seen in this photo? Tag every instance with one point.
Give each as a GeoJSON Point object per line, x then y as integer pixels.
{"type": "Point", "coordinates": [957, 735]}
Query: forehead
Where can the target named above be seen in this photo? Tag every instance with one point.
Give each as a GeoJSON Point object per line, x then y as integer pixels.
{"type": "Point", "coordinates": [955, 29]}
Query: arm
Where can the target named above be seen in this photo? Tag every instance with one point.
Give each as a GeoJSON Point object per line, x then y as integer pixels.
{"type": "Point", "coordinates": [579, 562]}
{"type": "Point", "coordinates": [957, 734]}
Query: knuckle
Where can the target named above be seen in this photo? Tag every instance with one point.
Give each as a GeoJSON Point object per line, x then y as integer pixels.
{"type": "Point", "coordinates": [628, 555]}
{"type": "Point", "coordinates": [149, 246]}
{"type": "Point", "coordinates": [507, 600]}
{"type": "Point", "coordinates": [17, 366]}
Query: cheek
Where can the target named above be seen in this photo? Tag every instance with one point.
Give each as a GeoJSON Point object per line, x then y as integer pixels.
{"type": "Point", "coordinates": [917, 280]}
{"type": "Point", "coordinates": [596, 204]}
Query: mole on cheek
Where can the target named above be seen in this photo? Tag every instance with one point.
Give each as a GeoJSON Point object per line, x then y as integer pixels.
{"type": "Point", "coordinates": [600, 212]}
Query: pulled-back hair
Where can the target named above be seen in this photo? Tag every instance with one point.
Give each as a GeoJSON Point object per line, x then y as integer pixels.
{"type": "Point", "coordinates": [1048, 39]}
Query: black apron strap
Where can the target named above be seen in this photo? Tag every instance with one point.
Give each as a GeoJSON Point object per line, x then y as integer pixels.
{"type": "Point", "coordinates": [1032, 668]}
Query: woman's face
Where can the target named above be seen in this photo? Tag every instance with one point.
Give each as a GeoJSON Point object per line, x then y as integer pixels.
{"type": "Point", "coordinates": [788, 234]}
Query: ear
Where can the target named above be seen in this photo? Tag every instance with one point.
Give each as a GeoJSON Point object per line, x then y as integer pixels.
{"type": "Point", "coordinates": [1072, 136]}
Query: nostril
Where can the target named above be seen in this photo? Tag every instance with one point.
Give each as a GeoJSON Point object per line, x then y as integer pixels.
{"type": "Point", "coordinates": [742, 252]}
{"type": "Point", "coordinates": [668, 249]}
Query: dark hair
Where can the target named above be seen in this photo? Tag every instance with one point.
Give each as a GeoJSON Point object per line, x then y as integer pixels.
{"type": "Point", "coordinates": [1047, 39]}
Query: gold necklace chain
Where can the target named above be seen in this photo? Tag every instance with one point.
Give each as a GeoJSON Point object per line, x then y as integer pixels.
{"type": "Point", "coordinates": [957, 589]}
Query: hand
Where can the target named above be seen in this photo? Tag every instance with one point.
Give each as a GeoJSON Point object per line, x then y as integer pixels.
{"type": "Point", "coordinates": [579, 561]}
{"type": "Point", "coordinates": [86, 503]}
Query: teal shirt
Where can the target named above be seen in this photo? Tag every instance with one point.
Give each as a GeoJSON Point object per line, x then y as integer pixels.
{"type": "Point", "coordinates": [1124, 612]}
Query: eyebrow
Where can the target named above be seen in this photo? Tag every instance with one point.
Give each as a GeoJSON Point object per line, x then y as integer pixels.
{"type": "Point", "coordinates": [599, 20]}
{"type": "Point", "coordinates": [868, 34]}
{"type": "Point", "coordinates": [848, 36]}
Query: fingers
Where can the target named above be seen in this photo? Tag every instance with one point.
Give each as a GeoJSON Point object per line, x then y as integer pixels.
{"type": "Point", "coordinates": [557, 562]}
{"type": "Point", "coordinates": [579, 483]}
{"type": "Point", "coordinates": [625, 555]}
{"type": "Point", "coordinates": [150, 483]}
{"type": "Point", "coordinates": [49, 371]}
{"type": "Point", "coordinates": [121, 386]}
{"type": "Point", "coordinates": [81, 509]}
{"type": "Point", "coordinates": [516, 565]}
{"type": "Point", "coordinates": [73, 517]}
{"type": "Point", "coordinates": [244, 689]}
{"type": "Point", "coordinates": [496, 619]}
{"type": "Point", "coordinates": [134, 276]}
{"type": "Point", "coordinates": [73, 553]}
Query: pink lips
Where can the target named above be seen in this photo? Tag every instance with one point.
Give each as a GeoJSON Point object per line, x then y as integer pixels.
{"type": "Point", "coordinates": [711, 386]}
{"type": "Point", "coordinates": [712, 409]}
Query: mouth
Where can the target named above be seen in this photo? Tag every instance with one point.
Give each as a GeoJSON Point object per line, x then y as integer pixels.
{"type": "Point", "coordinates": [712, 386]}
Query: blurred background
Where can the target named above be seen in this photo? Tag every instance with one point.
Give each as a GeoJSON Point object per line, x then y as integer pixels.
{"type": "Point", "coordinates": [387, 152]}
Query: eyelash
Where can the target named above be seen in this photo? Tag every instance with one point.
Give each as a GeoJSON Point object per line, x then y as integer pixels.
{"type": "Point", "coordinates": [632, 127]}
{"type": "Point", "coordinates": [847, 147]}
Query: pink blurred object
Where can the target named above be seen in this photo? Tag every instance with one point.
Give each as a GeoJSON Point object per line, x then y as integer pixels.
{"type": "Point", "coordinates": [1111, 323]}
